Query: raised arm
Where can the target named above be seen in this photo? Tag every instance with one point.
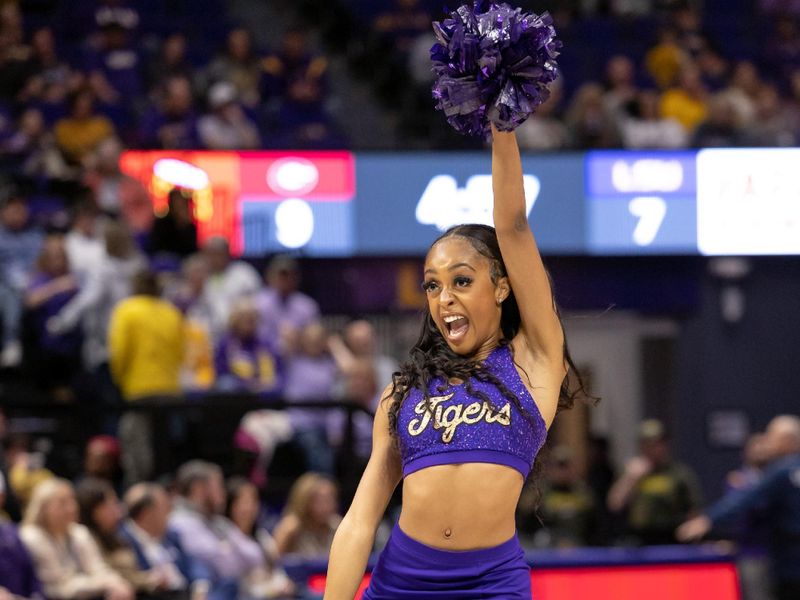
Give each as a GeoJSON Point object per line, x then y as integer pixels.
{"type": "Point", "coordinates": [541, 327]}
{"type": "Point", "coordinates": [353, 541]}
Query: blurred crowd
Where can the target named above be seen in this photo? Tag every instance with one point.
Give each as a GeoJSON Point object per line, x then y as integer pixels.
{"type": "Point", "coordinates": [636, 74]}
{"type": "Point", "coordinates": [203, 532]}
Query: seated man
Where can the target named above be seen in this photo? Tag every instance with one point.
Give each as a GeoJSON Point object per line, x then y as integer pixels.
{"type": "Point", "coordinates": [156, 548]}
{"type": "Point", "coordinates": [207, 536]}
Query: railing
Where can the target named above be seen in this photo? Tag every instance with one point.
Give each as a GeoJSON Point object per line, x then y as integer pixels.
{"type": "Point", "coordinates": [185, 427]}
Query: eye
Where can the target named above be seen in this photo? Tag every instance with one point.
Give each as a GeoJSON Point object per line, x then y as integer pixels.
{"type": "Point", "coordinates": [429, 286]}
{"type": "Point", "coordinates": [462, 281]}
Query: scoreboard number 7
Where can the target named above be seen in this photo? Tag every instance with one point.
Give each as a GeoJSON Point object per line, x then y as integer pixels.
{"type": "Point", "coordinates": [650, 212]}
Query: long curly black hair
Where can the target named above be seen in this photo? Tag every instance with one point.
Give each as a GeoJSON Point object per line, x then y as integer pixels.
{"type": "Point", "coordinates": [432, 358]}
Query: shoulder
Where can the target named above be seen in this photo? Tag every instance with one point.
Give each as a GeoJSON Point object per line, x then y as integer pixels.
{"type": "Point", "coordinates": [80, 534]}
{"type": "Point", "coordinates": [32, 534]}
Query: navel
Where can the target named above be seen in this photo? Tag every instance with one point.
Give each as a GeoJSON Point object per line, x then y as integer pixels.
{"type": "Point", "coordinates": [448, 532]}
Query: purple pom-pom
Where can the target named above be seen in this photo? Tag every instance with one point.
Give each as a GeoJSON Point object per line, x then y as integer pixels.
{"type": "Point", "coordinates": [492, 66]}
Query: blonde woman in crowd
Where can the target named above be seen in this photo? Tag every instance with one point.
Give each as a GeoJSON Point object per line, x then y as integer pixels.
{"type": "Point", "coordinates": [310, 518]}
{"type": "Point", "coordinates": [67, 559]}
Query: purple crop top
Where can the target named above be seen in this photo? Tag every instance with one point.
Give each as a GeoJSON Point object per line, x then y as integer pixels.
{"type": "Point", "coordinates": [464, 429]}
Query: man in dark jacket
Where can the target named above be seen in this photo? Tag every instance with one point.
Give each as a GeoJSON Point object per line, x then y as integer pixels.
{"type": "Point", "coordinates": [777, 497]}
{"type": "Point", "coordinates": [156, 548]}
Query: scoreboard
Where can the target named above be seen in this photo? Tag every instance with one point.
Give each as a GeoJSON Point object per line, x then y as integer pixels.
{"type": "Point", "coordinates": [332, 204]}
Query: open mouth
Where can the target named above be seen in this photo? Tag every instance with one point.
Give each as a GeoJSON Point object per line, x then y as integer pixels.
{"type": "Point", "coordinates": [456, 326]}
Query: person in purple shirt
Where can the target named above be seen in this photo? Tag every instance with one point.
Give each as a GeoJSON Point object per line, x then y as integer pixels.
{"type": "Point", "coordinates": [115, 68]}
{"type": "Point", "coordinates": [311, 374]}
{"type": "Point", "coordinates": [245, 362]}
{"type": "Point", "coordinates": [17, 575]}
{"type": "Point", "coordinates": [284, 311]}
{"type": "Point", "coordinates": [172, 123]}
{"type": "Point", "coordinates": [50, 289]}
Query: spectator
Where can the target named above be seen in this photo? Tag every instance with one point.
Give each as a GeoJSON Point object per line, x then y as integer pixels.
{"type": "Point", "coordinates": [658, 492]}
{"type": "Point", "coordinates": [101, 513]}
{"type": "Point", "coordinates": [269, 580]}
{"type": "Point", "coordinates": [310, 518]}
{"type": "Point", "coordinates": [568, 510]}
{"type": "Point", "coordinates": [402, 24]}
{"type": "Point", "coordinates": [208, 537]}
{"type": "Point", "coordinates": [17, 573]}
{"type": "Point", "coordinates": [198, 364]}
{"type": "Point", "coordinates": [14, 55]}
{"type": "Point", "coordinates": [171, 61]}
{"type": "Point", "coordinates": [295, 61]}
{"type": "Point", "coordinates": [665, 60]}
{"type": "Point", "coordinates": [47, 69]}
{"type": "Point", "coordinates": [115, 67]}
{"type": "Point", "coordinates": [82, 131]}
{"type": "Point", "coordinates": [171, 123]}
{"type": "Point", "coordinates": [51, 288]}
{"type": "Point", "coordinates": [238, 65]}
{"type": "Point", "coordinates": [175, 232]}
{"type": "Point", "coordinates": [243, 361]}
{"type": "Point", "coordinates": [311, 374]}
{"type": "Point", "coordinates": [117, 194]}
{"type": "Point", "coordinates": [66, 557]}
{"type": "Point", "coordinates": [777, 495]}
{"type": "Point", "coordinates": [284, 310]}
{"type": "Point", "coordinates": [642, 127]}
{"type": "Point", "coordinates": [782, 51]}
{"type": "Point", "coordinates": [543, 130]}
{"type": "Point", "coordinates": [228, 281]}
{"type": "Point", "coordinates": [722, 128]}
{"type": "Point", "coordinates": [226, 127]}
{"type": "Point", "coordinates": [743, 91]}
{"type": "Point", "coordinates": [773, 125]}
{"type": "Point", "coordinates": [32, 148]}
{"type": "Point", "coordinates": [20, 245]}
{"type": "Point", "coordinates": [146, 349]}
{"type": "Point", "coordinates": [101, 460]}
{"type": "Point", "coordinates": [303, 119]}
{"type": "Point", "coordinates": [157, 549]}
{"type": "Point", "coordinates": [713, 69]}
{"type": "Point", "coordinates": [752, 532]}
{"type": "Point", "coordinates": [107, 284]}
{"type": "Point", "coordinates": [362, 341]}
{"type": "Point", "coordinates": [362, 390]}
{"type": "Point", "coordinates": [620, 84]}
{"type": "Point", "coordinates": [591, 125]}
{"type": "Point", "coordinates": [83, 243]}
{"type": "Point", "coordinates": [688, 101]}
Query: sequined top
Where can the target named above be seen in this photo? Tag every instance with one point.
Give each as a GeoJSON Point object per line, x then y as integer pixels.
{"type": "Point", "coordinates": [459, 428]}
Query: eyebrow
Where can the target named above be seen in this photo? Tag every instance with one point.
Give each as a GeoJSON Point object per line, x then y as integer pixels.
{"type": "Point", "coordinates": [453, 268]}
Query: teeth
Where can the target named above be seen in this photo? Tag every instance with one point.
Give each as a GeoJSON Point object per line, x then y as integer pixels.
{"type": "Point", "coordinates": [451, 318]}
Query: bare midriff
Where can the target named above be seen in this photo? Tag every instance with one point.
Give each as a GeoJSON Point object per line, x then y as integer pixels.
{"type": "Point", "coordinates": [461, 507]}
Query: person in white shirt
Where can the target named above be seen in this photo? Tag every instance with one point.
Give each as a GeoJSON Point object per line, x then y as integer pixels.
{"type": "Point", "coordinates": [83, 244]}
{"type": "Point", "coordinates": [228, 281]}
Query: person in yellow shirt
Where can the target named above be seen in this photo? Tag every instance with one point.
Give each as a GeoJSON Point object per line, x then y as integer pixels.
{"type": "Point", "coordinates": [146, 352]}
{"type": "Point", "coordinates": [82, 131]}
{"type": "Point", "coordinates": [687, 103]}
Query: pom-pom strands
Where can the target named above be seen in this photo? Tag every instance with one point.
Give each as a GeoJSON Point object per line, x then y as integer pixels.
{"type": "Point", "coordinates": [492, 66]}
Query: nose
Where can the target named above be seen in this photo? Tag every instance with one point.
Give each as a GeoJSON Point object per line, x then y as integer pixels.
{"type": "Point", "coordinates": [446, 296]}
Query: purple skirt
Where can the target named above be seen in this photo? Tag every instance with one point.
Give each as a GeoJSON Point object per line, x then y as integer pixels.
{"type": "Point", "coordinates": [409, 569]}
